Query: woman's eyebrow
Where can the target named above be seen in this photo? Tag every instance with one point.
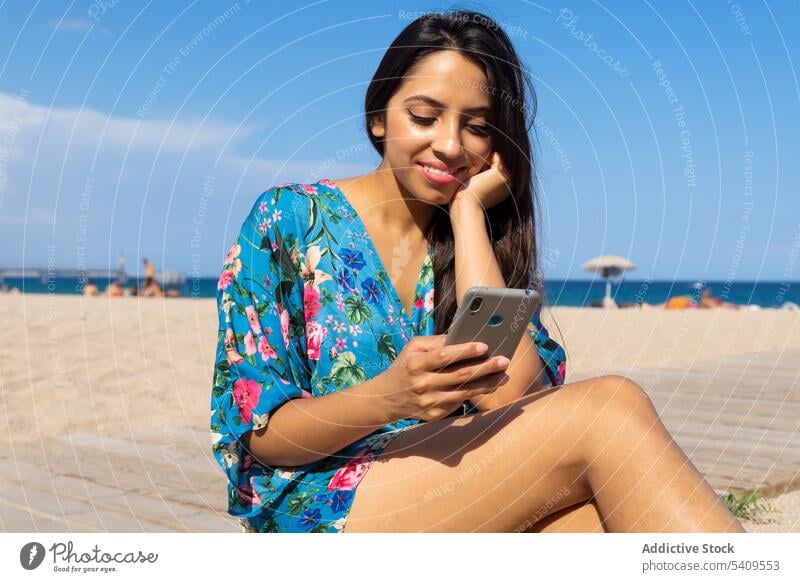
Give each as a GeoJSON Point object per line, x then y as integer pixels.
{"type": "Point", "coordinates": [439, 105]}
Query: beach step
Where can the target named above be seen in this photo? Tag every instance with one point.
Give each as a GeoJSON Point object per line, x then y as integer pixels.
{"type": "Point", "coordinates": [737, 417]}
{"type": "Point", "coordinates": [129, 483]}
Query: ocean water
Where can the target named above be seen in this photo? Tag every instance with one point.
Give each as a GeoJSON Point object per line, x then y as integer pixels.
{"type": "Point", "coordinates": [572, 293]}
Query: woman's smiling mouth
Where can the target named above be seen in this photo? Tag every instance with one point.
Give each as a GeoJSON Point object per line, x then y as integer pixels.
{"type": "Point", "coordinates": [438, 173]}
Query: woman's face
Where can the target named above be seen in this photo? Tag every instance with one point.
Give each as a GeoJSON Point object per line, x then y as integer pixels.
{"type": "Point", "coordinates": [438, 117]}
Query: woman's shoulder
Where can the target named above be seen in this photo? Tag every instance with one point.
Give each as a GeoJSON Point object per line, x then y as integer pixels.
{"type": "Point", "coordinates": [286, 204]}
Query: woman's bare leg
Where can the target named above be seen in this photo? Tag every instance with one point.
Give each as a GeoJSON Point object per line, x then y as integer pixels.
{"type": "Point", "coordinates": [506, 469]}
{"type": "Point", "coordinates": [583, 517]}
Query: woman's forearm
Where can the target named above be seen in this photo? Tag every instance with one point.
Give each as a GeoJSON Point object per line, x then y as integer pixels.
{"type": "Point", "coordinates": [476, 265]}
{"type": "Point", "coordinates": [304, 430]}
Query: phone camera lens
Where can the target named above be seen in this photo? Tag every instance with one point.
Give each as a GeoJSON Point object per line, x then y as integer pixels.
{"type": "Point", "coordinates": [476, 304]}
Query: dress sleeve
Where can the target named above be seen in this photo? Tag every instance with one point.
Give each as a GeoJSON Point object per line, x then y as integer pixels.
{"type": "Point", "coordinates": [551, 353]}
{"type": "Point", "coordinates": [260, 341]}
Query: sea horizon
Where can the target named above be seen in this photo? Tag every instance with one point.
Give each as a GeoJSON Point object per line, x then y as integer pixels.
{"type": "Point", "coordinates": [559, 292]}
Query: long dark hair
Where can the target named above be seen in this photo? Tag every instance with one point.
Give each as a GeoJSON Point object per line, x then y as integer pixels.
{"type": "Point", "coordinates": [512, 223]}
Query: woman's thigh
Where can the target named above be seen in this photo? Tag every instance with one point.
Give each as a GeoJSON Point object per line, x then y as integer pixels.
{"type": "Point", "coordinates": [584, 517]}
{"type": "Point", "coordinates": [490, 471]}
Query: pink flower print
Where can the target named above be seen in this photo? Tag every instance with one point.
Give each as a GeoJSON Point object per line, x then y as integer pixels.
{"type": "Point", "coordinates": [247, 461]}
{"type": "Point", "coordinates": [265, 349]}
{"type": "Point", "coordinates": [252, 317]}
{"type": "Point", "coordinates": [418, 303]}
{"type": "Point", "coordinates": [276, 214]}
{"type": "Point", "coordinates": [562, 370]}
{"type": "Point", "coordinates": [246, 393]}
{"type": "Point", "coordinates": [225, 280]}
{"type": "Point", "coordinates": [310, 301]}
{"type": "Point", "coordinates": [349, 476]}
{"type": "Point", "coordinates": [341, 343]}
{"type": "Point", "coordinates": [429, 300]}
{"type": "Point", "coordinates": [284, 325]}
{"type": "Point", "coordinates": [326, 182]}
{"type": "Point", "coordinates": [262, 208]}
{"type": "Point", "coordinates": [249, 344]}
{"type": "Point", "coordinates": [309, 189]}
{"type": "Point", "coordinates": [233, 252]}
{"type": "Point", "coordinates": [248, 495]}
{"type": "Point", "coordinates": [306, 393]}
{"type": "Point", "coordinates": [390, 319]}
{"type": "Point", "coordinates": [314, 334]}
{"type": "Point", "coordinates": [231, 353]}
{"type": "Point", "coordinates": [274, 246]}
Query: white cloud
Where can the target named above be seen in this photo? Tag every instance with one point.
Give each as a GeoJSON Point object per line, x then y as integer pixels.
{"type": "Point", "coordinates": [49, 154]}
{"type": "Point", "coordinates": [86, 125]}
{"type": "Point", "coordinates": [76, 25]}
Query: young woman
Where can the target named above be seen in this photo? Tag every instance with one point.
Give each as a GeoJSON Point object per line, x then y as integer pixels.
{"type": "Point", "coordinates": [336, 406]}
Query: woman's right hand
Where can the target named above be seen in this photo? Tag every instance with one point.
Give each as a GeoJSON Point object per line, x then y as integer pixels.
{"type": "Point", "coordinates": [429, 381]}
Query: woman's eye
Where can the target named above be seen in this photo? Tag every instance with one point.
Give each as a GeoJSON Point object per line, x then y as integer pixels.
{"type": "Point", "coordinates": [421, 120]}
{"type": "Point", "coordinates": [480, 129]}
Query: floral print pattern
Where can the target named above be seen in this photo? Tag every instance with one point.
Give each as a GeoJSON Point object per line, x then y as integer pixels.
{"type": "Point", "coordinates": [305, 309]}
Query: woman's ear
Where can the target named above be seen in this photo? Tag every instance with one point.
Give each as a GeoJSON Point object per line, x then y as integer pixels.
{"type": "Point", "coordinates": [377, 127]}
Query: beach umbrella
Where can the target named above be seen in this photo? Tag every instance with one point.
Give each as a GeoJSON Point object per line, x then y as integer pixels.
{"type": "Point", "coordinates": [608, 266]}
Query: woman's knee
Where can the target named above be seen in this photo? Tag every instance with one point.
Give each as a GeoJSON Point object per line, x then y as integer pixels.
{"type": "Point", "coordinates": [616, 398]}
{"type": "Point", "coordinates": [626, 394]}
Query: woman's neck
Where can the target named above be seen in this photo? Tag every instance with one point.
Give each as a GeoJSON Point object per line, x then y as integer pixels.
{"type": "Point", "coordinates": [381, 199]}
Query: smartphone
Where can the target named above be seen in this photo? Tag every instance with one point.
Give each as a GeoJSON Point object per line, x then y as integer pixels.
{"type": "Point", "coordinates": [496, 316]}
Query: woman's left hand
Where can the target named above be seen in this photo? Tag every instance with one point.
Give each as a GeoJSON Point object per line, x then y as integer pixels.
{"type": "Point", "coordinates": [485, 189]}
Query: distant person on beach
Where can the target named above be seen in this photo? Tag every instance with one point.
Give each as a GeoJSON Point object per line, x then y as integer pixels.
{"type": "Point", "coordinates": [707, 300]}
{"type": "Point", "coordinates": [150, 287]}
{"type": "Point", "coordinates": [114, 289]}
{"type": "Point", "coordinates": [153, 289]}
{"type": "Point", "coordinates": [90, 290]}
{"type": "Point", "coordinates": [149, 273]}
{"type": "Point", "coordinates": [331, 356]}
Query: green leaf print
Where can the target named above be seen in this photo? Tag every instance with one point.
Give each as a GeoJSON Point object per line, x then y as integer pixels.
{"type": "Point", "coordinates": [282, 257]}
{"type": "Point", "coordinates": [346, 371]}
{"type": "Point", "coordinates": [313, 216]}
{"type": "Point", "coordinates": [297, 502]}
{"type": "Point", "coordinates": [427, 271]}
{"type": "Point", "coordinates": [386, 347]}
{"type": "Point", "coordinates": [356, 309]}
{"type": "Point", "coordinates": [219, 386]}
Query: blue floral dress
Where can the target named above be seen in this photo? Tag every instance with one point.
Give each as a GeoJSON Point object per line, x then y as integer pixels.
{"type": "Point", "coordinates": [306, 308]}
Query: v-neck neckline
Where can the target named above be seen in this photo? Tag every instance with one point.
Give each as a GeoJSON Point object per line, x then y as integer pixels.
{"type": "Point", "coordinates": [408, 315]}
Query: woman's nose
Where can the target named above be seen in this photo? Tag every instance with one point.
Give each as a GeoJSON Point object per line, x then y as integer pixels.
{"type": "Point", "coordinates": [448, 140]}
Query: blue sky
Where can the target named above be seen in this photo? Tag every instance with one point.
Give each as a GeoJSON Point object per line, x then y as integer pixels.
{"type": "Point", "coordinates": [668, 131]}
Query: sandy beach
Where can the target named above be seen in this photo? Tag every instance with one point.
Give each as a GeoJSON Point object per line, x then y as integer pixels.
{"type": "Point", "coordinates": [116, 380]}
